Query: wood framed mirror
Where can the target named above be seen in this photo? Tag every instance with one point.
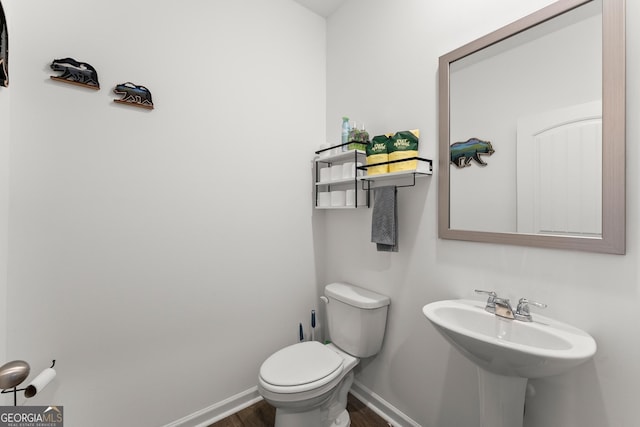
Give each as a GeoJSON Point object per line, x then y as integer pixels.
{"type": "Point", "coordinates": [491, 183]}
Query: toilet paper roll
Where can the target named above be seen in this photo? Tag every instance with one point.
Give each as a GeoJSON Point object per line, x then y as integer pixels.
{"type": "Point", "coordinates": [325, 174]}
{"type": "Point", "coordinates": [39, 382]}
{"type": "Point", "coordinates": [324, 199]}
{"type": "Point", "coordinates": [348, 170]}
{"type": "Point", "coordinates": [336, 172]}
{"type": "Point", "coordinates": [360, 171]}
{"type": "Point", "coordinates": [350, 198]}
{"type": "Point", "coordinates": [338, 198]}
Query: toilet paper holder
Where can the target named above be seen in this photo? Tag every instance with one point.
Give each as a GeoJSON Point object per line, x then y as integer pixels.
{"type": "Point", "coordinates": [12, 374]}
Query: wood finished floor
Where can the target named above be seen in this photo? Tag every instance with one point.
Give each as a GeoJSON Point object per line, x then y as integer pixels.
{"type": "Point", "coordinates": [262, 414]}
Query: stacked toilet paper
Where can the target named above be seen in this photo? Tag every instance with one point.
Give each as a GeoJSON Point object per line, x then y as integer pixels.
{"type": "Point", "coordinates": [341, 198]}
{"type": "Point", "coordinates": [344, 171]}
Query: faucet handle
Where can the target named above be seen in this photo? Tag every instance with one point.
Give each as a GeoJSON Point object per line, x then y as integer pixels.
{"type": "Point", "coordinates": [522, 311]}
{"type": "Point", "coordinates": [491, 300]}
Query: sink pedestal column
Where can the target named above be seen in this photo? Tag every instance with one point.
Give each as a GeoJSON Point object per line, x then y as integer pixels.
{"type": "Point", "coordinates": [501, 399]}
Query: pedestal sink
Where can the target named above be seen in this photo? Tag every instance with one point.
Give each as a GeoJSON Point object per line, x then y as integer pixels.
{"type": "Point", "coordinates": [508, 353]}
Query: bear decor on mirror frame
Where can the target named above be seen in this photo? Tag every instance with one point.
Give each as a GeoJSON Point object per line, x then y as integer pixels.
{"type": "Point", "coordinates": [463, 152]}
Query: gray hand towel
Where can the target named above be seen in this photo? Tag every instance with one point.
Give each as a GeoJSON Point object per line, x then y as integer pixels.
{"type": "Point", "coordinates": [384, 219]}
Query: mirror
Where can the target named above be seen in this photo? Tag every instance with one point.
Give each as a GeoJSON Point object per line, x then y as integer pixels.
{"type": "Point", "coordinates": [532, 131]}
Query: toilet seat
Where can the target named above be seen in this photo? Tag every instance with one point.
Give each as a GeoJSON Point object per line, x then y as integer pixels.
{"type": "Point", "coordinates": [300, 367]}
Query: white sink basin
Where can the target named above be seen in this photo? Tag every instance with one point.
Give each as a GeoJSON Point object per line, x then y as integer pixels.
{"type": "Point", "coordinates": [506, 347]}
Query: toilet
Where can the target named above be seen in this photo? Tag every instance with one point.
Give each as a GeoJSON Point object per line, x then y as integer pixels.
{"type": "Point", "coordinates": [308, 382]}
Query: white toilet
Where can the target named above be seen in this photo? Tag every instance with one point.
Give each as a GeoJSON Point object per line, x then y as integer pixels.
{"type": "Point", "coordinates": [308, 382]}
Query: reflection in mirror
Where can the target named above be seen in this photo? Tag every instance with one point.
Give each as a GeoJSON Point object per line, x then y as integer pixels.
{"type": "Point", "coordinates": [553, 65]}
{"type": "Point", "coordinates": [532, 131]}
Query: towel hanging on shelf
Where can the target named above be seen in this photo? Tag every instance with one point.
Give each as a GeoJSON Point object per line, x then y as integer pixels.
{"type": "Point", "coordinates": [384, 219]}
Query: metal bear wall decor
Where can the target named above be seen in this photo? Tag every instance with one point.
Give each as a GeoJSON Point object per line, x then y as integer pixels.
{"type": "Point", "coordinates": [76, 73]}
{"type": "Point", "coordinates": [4, 49]}
{"type": "Point", "coordinates": [134, 95]}
{"type": "Point", "coordinates": [463, 152]}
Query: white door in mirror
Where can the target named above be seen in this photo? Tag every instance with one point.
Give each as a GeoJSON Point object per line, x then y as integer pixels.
{"type": "Point", "coordinates": [559, 171]}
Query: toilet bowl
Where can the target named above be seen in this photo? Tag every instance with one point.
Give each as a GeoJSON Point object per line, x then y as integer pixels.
{"type": "Point", "coordinates": [308, 382]}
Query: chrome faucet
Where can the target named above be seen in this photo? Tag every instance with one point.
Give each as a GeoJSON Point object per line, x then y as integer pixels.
{"type": "Point", "coordinates": [502, 307]}
{"type": "Point", "coordinates": [496, 305]}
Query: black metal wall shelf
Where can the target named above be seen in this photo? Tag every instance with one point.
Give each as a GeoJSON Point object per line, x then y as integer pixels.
{"type": "Point", "coordinates": [355, 156]}
{"type": "Point", "coordinates": [424, 168]}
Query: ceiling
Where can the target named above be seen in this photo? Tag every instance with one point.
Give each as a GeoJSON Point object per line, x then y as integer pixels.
{"type": "Point", "coordinates": [321, 7]}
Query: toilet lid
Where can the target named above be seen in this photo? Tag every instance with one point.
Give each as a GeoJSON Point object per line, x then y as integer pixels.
{"type": "Point", "coordinates": [301, 363]}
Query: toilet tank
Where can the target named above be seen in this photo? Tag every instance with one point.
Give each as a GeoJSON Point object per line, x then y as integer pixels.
{"type": "Point", "coordinates": [357, 318]}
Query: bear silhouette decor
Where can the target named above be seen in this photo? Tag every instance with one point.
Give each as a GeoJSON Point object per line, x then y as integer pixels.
{"type": "Point", "coordinates": [463, 152]}
{"type": "Point", "coordinates": [75, 72]}
{"type": "Point", "coordinates": [134, 95]}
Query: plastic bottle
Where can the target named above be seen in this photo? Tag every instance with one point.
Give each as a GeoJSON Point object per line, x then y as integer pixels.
{"type": "Point", "coordinates": [345, 132]}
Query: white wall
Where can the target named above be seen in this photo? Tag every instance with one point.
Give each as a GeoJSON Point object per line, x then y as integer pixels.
{"type": "Point", "coordinates": [160, 256]}
{"type": "Point", "coordinates": [159, 278]}
{"type": "Point", "coordinates": [393, 88]}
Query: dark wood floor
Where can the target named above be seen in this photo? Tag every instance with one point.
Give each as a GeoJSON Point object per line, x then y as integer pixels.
{"type": "Point", "coordinates": [262, 414]}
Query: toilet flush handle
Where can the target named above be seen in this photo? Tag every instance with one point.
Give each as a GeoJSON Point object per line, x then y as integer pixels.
{"type": "Point", "coordinates": [324, 299]}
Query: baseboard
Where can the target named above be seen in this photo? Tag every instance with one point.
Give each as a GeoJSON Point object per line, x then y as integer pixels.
{"type": "Point", "coordinates": [381, 407]}
{"type": "Point", "coordinates": [207, 416]}
{"type": "Point", "coordinates": [216, 412]}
